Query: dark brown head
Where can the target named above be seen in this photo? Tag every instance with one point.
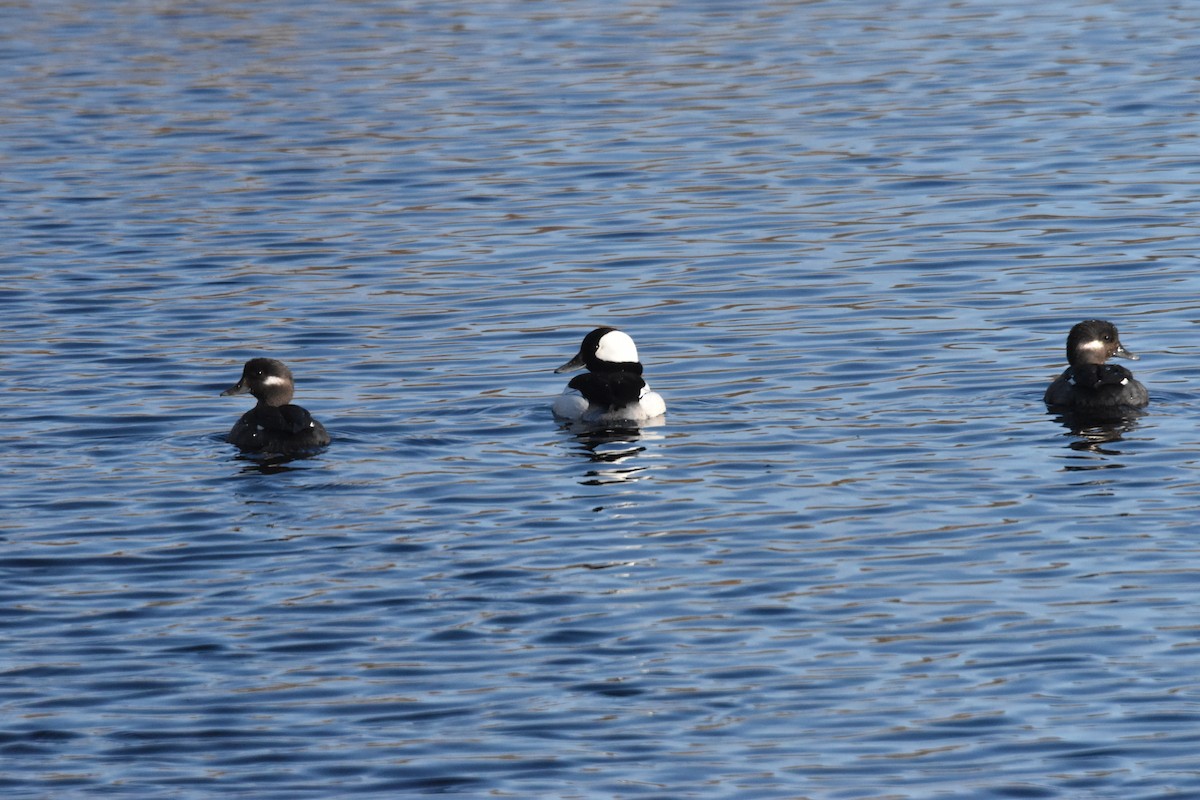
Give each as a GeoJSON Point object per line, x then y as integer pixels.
{"type": "Point", "coordinates": [1094, 341]}
{"type": "Point", "coordinates": [268, 380]}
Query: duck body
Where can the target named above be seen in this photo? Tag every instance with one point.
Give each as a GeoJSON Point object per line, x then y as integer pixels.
{"type": "Point", "coordinates": [613, 389]}
{"type": "Point", "coordinates": [1090, 385]}
{"type": "Point", "coordinates": [274, 426]}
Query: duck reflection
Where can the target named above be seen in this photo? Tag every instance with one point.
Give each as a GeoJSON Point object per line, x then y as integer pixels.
{"type": "Point", "coordinates": [613, 453]}
{"type": "Point", "coordinates": [1097, 434]}
{"type": "Point", "coordinates": [251, 463]}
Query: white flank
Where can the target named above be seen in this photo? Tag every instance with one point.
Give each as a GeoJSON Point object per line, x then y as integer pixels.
{"type": "Point", "coordinates": [652, 404]}
{"type": "Point", "coordinates": [570, 405]}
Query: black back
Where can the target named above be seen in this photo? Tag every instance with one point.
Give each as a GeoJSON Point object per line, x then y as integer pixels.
{"type": "Point", "coordinates": [610, 389]}
{"type": "Point", "coordinates": [286, 430]}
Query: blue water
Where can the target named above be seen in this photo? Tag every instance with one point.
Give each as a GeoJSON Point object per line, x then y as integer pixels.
{"type": "Point", "coordinates": [859, 560]}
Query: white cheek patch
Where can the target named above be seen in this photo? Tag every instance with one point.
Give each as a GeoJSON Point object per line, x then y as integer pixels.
{"type": "Point", "coordinates": [1094, 345]}
{"type": "Point", "coordinates": [274, 380]}
{"type": "Point", "coordinates": [616, 348]}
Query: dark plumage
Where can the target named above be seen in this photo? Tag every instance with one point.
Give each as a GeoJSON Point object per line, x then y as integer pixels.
{"type": "Point", "coordinates": [1091, 386]}
{"type": "Point", "coordinates": [274, 426]}
{"type": "Point", "coordinates": [610, 391]}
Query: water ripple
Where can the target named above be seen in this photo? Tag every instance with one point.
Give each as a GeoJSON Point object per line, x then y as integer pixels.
{"type": "Point", "coordinates": [859, 559]}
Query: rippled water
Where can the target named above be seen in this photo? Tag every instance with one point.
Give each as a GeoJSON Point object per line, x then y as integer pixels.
{"type": "Point", "coordinates": [859, 559]}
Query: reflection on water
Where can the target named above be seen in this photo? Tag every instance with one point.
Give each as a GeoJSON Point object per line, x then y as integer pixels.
{"type": "Point", "coordinates": [250, 463]}
{"type": "Point", "coordinates": [1094, 435]}
{"type": "Point", "coordinates": [267, 465]}
{"type": "Point", "coordinates": [613, 452]}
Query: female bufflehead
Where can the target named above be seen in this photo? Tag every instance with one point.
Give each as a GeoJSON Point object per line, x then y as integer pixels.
{"type": "Point", "coordinates": [274, 426]}
{"type": "Point", "coordinates": [612, 389]}
{"type": "Point", "coordinates": [1090, 386]}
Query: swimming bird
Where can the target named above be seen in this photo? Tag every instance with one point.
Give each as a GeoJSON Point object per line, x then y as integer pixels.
{"type": "Point", "coordinates": [612, 390]}
{"type": "Point", "coordinates": [1089, 385]}
{"type": "Point", "coordinates": [274, 426]}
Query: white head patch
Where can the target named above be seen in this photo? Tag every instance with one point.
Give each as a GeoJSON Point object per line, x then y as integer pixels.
{"type": "Point", "coordinates": [1094, 344]}
{"type": "Point", "coordinates": [274, 380]}
{"type": "Point", "coordinates": [616, 348]}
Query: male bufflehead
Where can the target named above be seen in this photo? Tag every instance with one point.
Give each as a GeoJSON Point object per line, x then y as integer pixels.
{"type": "Point", "coordinates": [612, 389]}
{"type": "Point", "coordinates": [274, 426]}
{"type": "Point", "coordinates": [1090, 386]}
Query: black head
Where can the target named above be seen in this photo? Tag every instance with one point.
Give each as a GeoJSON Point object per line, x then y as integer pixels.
{"type": "Point", "coordinates": [1094, 341]}
{"type": "Point", "coordinates": [605, 349]}
{"type": "Point", "coordinates": [267, 379]}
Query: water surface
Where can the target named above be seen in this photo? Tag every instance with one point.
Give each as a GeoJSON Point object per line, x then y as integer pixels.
{"type": "Point", "coordinates": [859, 559]}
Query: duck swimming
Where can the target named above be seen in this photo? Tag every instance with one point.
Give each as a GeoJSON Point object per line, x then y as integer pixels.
{"type": "Point", "coordinates": [612, 390]}
{"type": "Point", "coordinates": [1091, 386]}
{"type": "Point", "coordinates": [274, 426]}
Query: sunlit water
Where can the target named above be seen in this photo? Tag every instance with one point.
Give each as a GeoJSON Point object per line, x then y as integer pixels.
{"type": "Point", "coordinates": [858, 560]}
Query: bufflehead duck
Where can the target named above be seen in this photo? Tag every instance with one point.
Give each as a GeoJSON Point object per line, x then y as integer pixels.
{"type": "Point", "coordinates": [1090, 386]}
{"type": "Point", "coordinates": [273, 426]}
{"type": "Point", "coordinates": [612, 389]}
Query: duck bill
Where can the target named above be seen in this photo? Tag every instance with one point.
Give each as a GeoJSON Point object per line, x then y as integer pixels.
{"type": "Point", "coordinates": [572, 365]}
{"type": "Point", "coordinates": [1123, 353]}
{"type": "Point", "coordinates": [237, 388]}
